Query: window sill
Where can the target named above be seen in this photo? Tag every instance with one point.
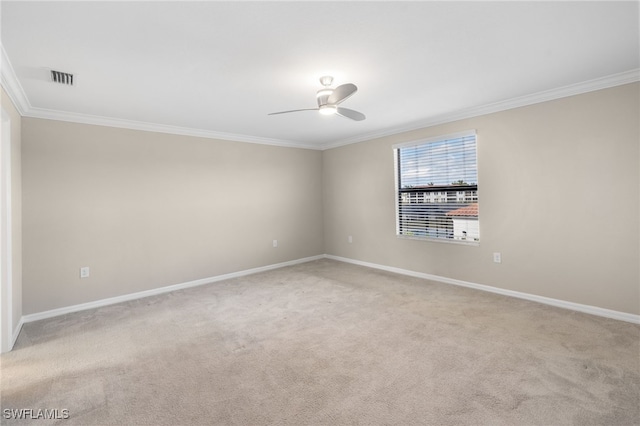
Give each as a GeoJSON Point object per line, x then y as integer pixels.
{"type": "Point", "coordinates": [440, 240]}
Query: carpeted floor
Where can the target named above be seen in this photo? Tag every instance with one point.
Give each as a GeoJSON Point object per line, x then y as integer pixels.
{"type": "Point", "coordinates": [326, 343]}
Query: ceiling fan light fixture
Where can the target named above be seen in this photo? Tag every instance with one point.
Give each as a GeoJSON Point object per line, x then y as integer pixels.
{"type": "Point", "coordinates": [329, 98]}
{"type": "Point", "coordinates": [328, 109]}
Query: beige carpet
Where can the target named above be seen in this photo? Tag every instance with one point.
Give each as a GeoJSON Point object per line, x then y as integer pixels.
{"type": "Point", "coordinates": [327, 343]}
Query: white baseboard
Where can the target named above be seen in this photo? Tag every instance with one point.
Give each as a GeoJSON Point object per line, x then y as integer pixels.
{"type": "Point", "coordinates": [16, 332]}
{"type": "Point", "coordinates": [133, 296]}
{"type": "Point", "coordinates": [593, 310]}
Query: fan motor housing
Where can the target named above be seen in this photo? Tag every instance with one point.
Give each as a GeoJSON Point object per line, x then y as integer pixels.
{"type": "Point", "coordinates": [322, 96]}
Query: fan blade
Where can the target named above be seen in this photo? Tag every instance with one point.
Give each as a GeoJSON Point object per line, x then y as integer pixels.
{"type": "Point", "coordinates": [293, 110]}
{"type": "Point", "coordinates": [341, 93]}
{"type": "Point", "coordinates": [349, 113]}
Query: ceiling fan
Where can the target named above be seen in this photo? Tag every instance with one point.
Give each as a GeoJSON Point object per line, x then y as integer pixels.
{"type": "Point", "coordinates": [328, 100]}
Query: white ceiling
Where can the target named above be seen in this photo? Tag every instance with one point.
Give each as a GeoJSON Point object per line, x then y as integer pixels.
{"type": "Point", "coordinates": [218, 68]}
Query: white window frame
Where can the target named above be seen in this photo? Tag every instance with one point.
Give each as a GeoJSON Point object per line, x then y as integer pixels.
{"type": "Point", "coordinates": [418, 142]}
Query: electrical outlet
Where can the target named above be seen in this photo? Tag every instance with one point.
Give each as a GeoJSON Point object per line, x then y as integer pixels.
{"type": "Point", "coordinates": [497, 257]}
{"type": "Point", "coordinates": [275, 243]}
{"type": "Point", "coordinates": [84, 272]}
{"type": "Point", "coordinates": [350, 239]}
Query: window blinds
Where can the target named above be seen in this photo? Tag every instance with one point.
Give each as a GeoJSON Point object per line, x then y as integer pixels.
{"type": "Point", "coordinates": [437, 188]}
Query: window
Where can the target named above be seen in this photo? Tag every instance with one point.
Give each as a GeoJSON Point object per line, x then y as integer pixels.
{"type": "Point", "coordinates": [437, 188]}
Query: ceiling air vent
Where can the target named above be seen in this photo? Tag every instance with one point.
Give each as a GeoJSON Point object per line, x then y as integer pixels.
{"type": "Point", "coordinates": [62, 77]}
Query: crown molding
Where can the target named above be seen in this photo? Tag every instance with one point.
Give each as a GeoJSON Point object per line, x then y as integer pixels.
{"type": "Point", "coordinates": [11, 85]}
{"type": "Point", "coordinates": [620, 79]}
{"type": "Point", "coordinates": [15, 91]}
{"type": "Point", "coordinates": [48, 114]}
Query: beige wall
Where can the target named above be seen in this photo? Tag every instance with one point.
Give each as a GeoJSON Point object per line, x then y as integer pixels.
{"type": "Point", "coordinates": [16, 208]}
{"type": "Point", "coordinates": [559, 189]}
{"type": "Point", "coordinates": [146, 210]}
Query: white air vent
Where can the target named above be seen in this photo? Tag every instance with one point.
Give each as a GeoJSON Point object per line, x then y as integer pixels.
{"type": "Point", "coordinates": [62, 77]}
